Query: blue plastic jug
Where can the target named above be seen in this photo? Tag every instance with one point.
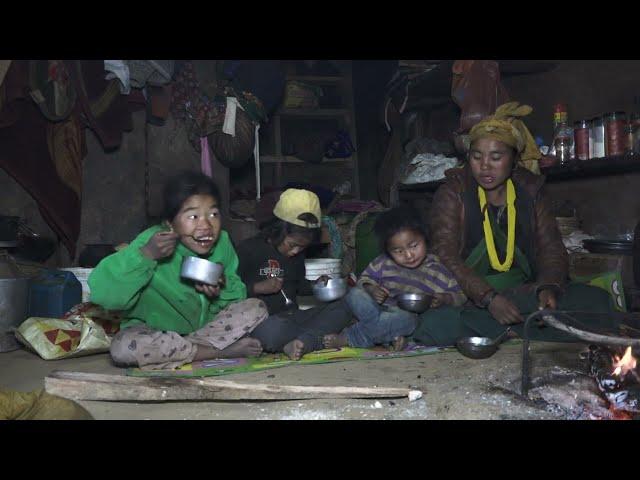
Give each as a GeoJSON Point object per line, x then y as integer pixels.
{"type": "Point", "coordinates": [53, 293]}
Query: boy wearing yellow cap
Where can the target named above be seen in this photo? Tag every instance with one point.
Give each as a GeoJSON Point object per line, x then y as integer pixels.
{"type": "Point", "coordinates": [273, 262]}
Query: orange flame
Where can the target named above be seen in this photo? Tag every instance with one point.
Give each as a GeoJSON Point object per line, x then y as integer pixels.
{"type": "Point", "coordinates": [625, 364]}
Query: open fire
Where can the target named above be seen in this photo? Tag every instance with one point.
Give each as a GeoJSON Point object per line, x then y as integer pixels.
{"type": "Point", "coordinates": [610, 362]}
{"type": "Point", "coordinates": [625, 364]}
{"type": "Point", "coordinates": [617, 378]}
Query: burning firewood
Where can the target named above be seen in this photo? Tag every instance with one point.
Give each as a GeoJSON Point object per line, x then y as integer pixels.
{"type": "Point", "coordinates": [616, 376]}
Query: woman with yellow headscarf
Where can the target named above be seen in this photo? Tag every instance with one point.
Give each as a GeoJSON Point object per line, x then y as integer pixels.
{"type": "Point", "coordinates": [492, 227]}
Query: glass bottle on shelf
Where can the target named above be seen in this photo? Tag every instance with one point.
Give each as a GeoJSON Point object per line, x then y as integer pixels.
{"type": "Point", "coordinates": [615, 136]}
{"type": "Point", "coordinates": [562, 146]}
{"type": "Point", "coordinates": [597, 132]}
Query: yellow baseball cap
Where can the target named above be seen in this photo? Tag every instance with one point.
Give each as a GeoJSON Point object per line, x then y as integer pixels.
{"type": "Point", "coordinates": [293, 203]}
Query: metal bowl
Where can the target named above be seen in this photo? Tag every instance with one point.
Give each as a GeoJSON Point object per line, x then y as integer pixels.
{"type": "Point", "coordinates": [477, 347]}
{"type": "Point", "coordinates": [201, 270]}
{"type": "Point", "coordinates": [334, 289]}
{"type": "Point", "coordinates": [414, 302]}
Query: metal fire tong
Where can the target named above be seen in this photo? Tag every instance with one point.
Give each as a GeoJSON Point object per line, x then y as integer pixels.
{"type": "Point", "coordinates": [550, 318]}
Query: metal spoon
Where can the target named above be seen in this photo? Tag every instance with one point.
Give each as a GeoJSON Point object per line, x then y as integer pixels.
{"type": "Point", "coordinates": [287, 301]}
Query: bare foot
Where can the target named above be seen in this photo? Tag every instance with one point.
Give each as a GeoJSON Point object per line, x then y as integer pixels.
{"type": "Point", "coordinates": [294, 349]}
{"type": "Point", "coordinates": [245, 347]}
{"type": "Point", "coordinates": [398, 344]}
{"type": "Point", "coordinates": [335, 340]}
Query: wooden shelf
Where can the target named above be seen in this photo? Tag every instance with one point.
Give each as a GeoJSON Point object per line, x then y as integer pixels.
{"type": "Point", "coordinates": [326, 80]}
{"type": "Point", "coordinates": [421, 187]}
{"type": "Point", "coordinates": [337, 115]}
{"type": "Point", "coordinates": [314, 112]}
{"type": "Point", "coordinates": [293, 159]}
{"type": "Point", "coordinates": [597, 167]}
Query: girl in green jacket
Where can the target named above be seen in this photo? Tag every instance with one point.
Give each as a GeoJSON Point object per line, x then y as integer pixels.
{"type": "Point", "coordinates": [172, 321]}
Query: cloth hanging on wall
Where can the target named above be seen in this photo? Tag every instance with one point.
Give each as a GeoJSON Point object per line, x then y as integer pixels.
{"type": "Point", "coordinates": [67, 148]}
{"type": "Point", "coordinates": [45, 158]}
{"type": "Point", "coordinates": [205, 157]}
{"type": "Point", "coordinates": [105, 111]}
{"type": "Point", "coordinates": [51, 88]}
{"type": "Point", "coordinates": [25, 156]}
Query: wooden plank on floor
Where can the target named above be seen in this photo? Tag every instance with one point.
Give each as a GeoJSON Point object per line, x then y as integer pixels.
{"type": "Point", "coordinates": [92, 386]}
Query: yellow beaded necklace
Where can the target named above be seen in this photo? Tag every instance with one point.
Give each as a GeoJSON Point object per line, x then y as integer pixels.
{"type": "Point", "coordinates": [511, 229]}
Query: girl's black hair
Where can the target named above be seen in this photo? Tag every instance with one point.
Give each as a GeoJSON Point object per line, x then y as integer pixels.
{"type": "Point", "coordinates": [395, 220]}
{"type": "Point", "coordinates": [184, 185]}
{"type": "Point", "coordinates": [275, 230]}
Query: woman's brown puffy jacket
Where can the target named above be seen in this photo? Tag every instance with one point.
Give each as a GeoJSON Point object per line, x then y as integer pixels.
{"type": "Point", "coordinates": [447, 225]}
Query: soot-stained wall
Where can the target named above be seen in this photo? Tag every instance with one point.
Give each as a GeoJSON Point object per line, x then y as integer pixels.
{"type": "Point", "coordinates": [607, 205]}
{"type": "Point", "coordinates": [113, 203]}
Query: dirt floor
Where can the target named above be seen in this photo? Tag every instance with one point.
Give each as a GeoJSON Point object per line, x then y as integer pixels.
{"type": "Point", "coordinates": [454, 387]}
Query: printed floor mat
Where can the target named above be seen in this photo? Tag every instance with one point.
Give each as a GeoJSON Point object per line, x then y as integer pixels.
{"type": "Point", "coordinates": [226, 366]}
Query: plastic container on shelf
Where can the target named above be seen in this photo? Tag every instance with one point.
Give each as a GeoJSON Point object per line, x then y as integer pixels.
{"type": "Point", "coordinates": [53, 293]}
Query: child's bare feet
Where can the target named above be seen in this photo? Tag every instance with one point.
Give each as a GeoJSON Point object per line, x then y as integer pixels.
{"type": "Point", "coordinates": [398, 344]}
{"type": "Point", "coordinates": [294, 349]}
{"type": "Point", "coordinates": [245, 347]}
{"type": "Point", "coordinates": [335, 340]}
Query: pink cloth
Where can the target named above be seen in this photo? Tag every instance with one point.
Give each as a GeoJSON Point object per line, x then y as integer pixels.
{"type": "Point", "coordinates": [205, 157]}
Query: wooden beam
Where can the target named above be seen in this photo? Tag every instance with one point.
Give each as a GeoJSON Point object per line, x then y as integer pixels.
{"type": "Point", "coordinates": [598, 338]}
{"type": "Point", "coordinates": [91, 386]}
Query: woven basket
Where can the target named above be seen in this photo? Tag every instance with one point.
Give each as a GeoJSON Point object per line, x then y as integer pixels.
{"type": "Point", "coordinates": [233, 152]}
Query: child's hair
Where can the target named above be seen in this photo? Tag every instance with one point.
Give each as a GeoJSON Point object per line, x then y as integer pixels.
{"type": "Point", "coordinates": [395, 220]}
{"type": "Point", "coordinates": [275, 230]}
{"type": "Point", "coordinates": [184, 185]}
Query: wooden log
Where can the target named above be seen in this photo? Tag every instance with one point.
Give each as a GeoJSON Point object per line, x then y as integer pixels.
{"type": "Point", "coordinates": [589, 336]}
{"type": "Point", "coordinates": [91, 386]}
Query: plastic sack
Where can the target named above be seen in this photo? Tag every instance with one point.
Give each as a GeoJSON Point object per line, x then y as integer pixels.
{"type": "Point", "coordinates": [427, 167]}
{"type": "Point", "coordinates": [109, 320]}
{"type": "Point", "coordinates": [53, 338]}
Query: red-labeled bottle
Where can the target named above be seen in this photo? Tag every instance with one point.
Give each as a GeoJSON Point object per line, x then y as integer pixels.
{"type": "Point", "coordinates": [581, 139]}
{"type": "Point", "coordinates": [616, 140]}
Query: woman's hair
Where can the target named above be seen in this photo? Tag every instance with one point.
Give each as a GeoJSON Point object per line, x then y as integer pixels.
{"type": "Point", "coordinates": [275, 230]}
{"type": "Point", "coordinates": [396, 220]}
{"type": "Point", "coordinates": [183, 186]}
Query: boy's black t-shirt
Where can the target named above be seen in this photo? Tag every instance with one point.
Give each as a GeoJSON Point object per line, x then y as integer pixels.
{"type": "Point", "coordinates": [259, 259]}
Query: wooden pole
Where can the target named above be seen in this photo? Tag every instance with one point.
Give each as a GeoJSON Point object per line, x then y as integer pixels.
{"type": "Point", "coordinates": [589, 336]}
{"type": "Point", "coordinates": [90, 386]}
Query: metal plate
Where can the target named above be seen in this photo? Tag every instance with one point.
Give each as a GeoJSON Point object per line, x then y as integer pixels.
{"type": "Point", "coordinates": [608, 246]}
